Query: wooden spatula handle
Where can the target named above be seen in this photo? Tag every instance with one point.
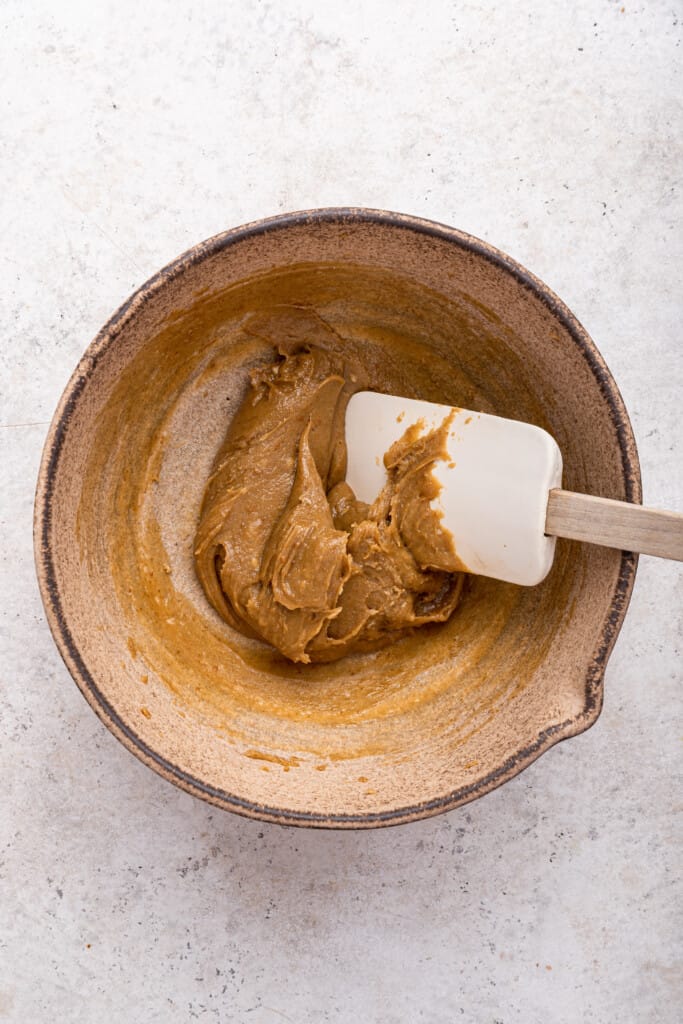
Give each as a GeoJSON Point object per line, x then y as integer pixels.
{"type": "Point", "coordinates": [614, 524]}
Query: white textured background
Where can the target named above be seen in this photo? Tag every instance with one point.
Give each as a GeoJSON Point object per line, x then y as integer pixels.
{"type": "Point", "coordinates": [129, 131]}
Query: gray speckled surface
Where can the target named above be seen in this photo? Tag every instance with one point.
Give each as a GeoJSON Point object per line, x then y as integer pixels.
{"type": "Point", "coordinates": [130, 131]}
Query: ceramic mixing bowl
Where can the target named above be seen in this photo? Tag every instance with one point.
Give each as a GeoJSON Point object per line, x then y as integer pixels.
{"type": "Point", "coordinates": [424, 725]}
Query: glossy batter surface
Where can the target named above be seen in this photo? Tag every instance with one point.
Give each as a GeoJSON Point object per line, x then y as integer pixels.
{"type": "Point", "coordinates": [285, 552]}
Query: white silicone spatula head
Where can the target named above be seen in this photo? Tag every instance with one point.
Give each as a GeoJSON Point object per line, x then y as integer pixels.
{"type": "Point", "coordinates": [494, 483]}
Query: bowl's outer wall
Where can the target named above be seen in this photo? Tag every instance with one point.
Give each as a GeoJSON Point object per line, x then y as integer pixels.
{"type": "Point", "coordinates": [452, 264]}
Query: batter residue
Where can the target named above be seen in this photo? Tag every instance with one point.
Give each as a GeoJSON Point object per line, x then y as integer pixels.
{"type": "Point", "coordinates": [284, 550]}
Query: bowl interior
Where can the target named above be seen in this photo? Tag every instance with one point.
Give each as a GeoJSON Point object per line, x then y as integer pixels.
{"type": "Point", "coordinates": [434, 719]}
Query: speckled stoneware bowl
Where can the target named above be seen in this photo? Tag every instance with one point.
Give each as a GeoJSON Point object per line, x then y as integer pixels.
{"type": "Point", "coordinates": [424, 725]}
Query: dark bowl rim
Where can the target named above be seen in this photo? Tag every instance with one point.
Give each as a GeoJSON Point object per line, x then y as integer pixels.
{"type": "Point", "coordinates": [47, 475]}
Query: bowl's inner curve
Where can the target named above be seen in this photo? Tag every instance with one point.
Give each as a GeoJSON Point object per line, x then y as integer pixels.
{"type": "Point", "coordinates": [432, 713]}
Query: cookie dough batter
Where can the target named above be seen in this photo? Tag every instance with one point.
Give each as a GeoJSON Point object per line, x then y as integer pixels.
{"type": "Point", "coordinates": [284, 550]}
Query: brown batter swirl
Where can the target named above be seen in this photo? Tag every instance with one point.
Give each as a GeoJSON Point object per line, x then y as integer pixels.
{"type": "Point", "coordinates": [284, 550]}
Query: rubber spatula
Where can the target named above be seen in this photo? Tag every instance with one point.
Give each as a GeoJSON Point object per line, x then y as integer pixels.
{"type": "Point", "coordinates": [501, 494]}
